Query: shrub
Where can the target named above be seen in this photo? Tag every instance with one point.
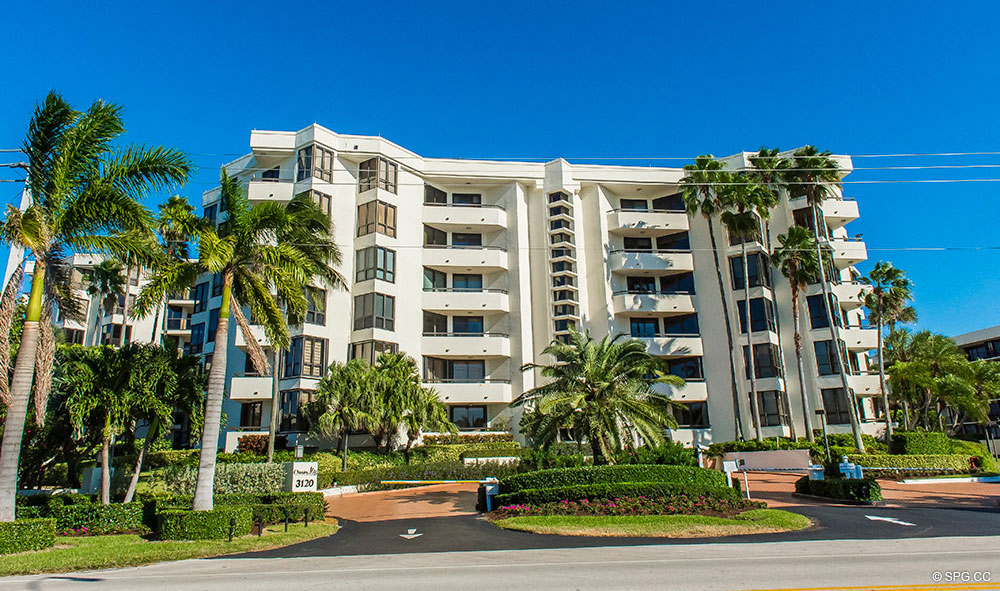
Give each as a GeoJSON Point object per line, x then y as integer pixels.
{"type": "Point", "coordinates": [920, 443]}
{"type": "Point", "coordinates": [768, 444]}
{"type": "Point", "coordinates": [614, 490]}
{"type": "Point", "coordinates": [93, 518]}
{"type": "Point", "coordinates": [917, 465]}
{"type": "Point", "coordinates": [510, 452]}
{"type": "Point", "coordinates": [866, 489]}
{"type": "Point", "coordinates": [684, 475]}
{"type": "Point", "coordinates": [448, 439]}
{"type": "Point", "coordinates": [229, 478]}
{"type": "Point", "coordinates": [371, 479]}
{"type": "Point", "coordinates": [977, 450]}
{"type": "Point", "coordinates": [453, 452]}
{"type": "Point", "coordinates": [173, 457]}
{"type": "Point", "coordinates": [23, 535]}
{"type": "Point", "coordinates": [252, 444]}
{"type": "Point", "coordinates": [544, 459]}
{"type": "Point", "coordinates": [669, 453]}
{"type": "Point", "coordinates": [178, 524]}
{"type": "Point", "coordinates": [669, 505]}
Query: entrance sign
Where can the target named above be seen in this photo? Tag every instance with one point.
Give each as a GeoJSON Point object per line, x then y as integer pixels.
{"type": "Point", "coordinates": [301, 476]}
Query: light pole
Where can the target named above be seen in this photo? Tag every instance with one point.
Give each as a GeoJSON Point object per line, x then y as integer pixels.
{"type": "Point", "coordinates": [826, 441]}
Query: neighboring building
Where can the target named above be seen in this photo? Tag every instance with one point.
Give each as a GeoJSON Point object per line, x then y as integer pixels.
{"type": "Point", "coordinates": [983, 345]}
{"type": "Point", "coordinates": [472, 267]}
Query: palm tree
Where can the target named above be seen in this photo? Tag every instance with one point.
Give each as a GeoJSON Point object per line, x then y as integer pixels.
{"type": "Point", "coordinates": [702, 194]}
{"type": "Point", "coordinates": [886, 300]}
{"type": "Point", "coordinates": [815, 176]}
{"type": "Point", "coordinates": [608, 385]}
{"type": "Point", "coordinates": [397, 384]}
{"type": "Point", "coordinates": [269, 247]}
{"type": "Point", "coordinates": [341, 402]}
{"type": "Point", "coordinates": [796, 259]}
{"type": "Point", "coordinates": [936, 374]}
{"type": "Point", "coordinates": [107, 284]}
{"type": "Point", "coordinates": [425, 412]}
{"type": "Point", "coordinates": [84, 198]}
{"type": "Point", "coordinates": [176, 225]}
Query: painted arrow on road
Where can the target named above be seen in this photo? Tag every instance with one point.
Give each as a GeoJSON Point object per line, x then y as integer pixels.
{"type": "Point", "coordinates": [889, 519]}
{"type": "Point", "coordinates": [412, 533]}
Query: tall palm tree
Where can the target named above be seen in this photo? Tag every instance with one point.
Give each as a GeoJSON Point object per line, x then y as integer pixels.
{"type": "Point", "coordinates": [608, 385]}
{"type": "Point", "coordinates": [397, 384]}
{"type": "Point", "coordinates": [269, 247]}
{"type": "Point", "coordinates": [886, 300]}
{"type": "Point", "coordinates": [816, 176]}
{"type": "Point", "coordinates": [341, 402]}
{"type": "Point", "coordinates": [107, 283]}
{"type": "Point", "coordinates": [796, 259]}
{"type": "Point", "coordinates": [84, 198]}
{"type": "Point", "coordinates": [703, 192]}
{"type": "Point", "coordinates": [425, 412]}
{"type": "Point", "coordinates": [176, 226]}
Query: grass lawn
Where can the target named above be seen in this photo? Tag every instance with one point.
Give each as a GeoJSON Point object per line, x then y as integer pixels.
{"type": "Point", "coordinates": [97, 552]}
{"type": "Point", "coordinates": [756, 521]}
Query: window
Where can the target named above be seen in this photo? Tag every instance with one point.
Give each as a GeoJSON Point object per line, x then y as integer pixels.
{"type": "Point", "coordinates": [446, 370]}
{"type": "Point", "coordinates": [314, 161]}
{"type": "Point", "coordinates": [562, 295]}
{"type": "Point", "coordinates": [772, 408]}
{"type": "Point", "coordinates": [306, 357]}
{"type": "Point", "coordinates": [678, 241]}
{"type": "Point", "coordinates": [374, 310]}
{"type": "Point", "coordinates": [754, 236]}
{"type": "Point", "coordinates": [200, 297]}
{"type": "Point", "coordinates": [553, 197]}
{"type": "Point", "coordinates": [378, 172]}
{"type": "Point", "coordinates": [375, 262]}
{"type": "Point", "coordinates": [435, 237]}
{"type": "Point", "coordinates": [641, 284]}
{"type": "Point", "coordinates": [322, 201]}
{"type": "Point", "coordinates": [767, 360]}
{"type": "Point", "coordinates": [561, 252]}
{"type": "Point", "coordinates": [197, 338]}
{"type": "Point", "coordinates": [635, 204]}
{"type": "Point", "coordinates": [689, 368]}
{"type": "Point", "coordinates": [818, 313]}
{"type": "Point", "coordinates": [218, 281]}
{"type": "Point", "coordinates": [761, 315]}
{"type": "Point", "coordinates": [272, 175]}
{"type": "Point", "coordinates": [757, 267]}
{"type": "Point", "coordinates": [680, 283]}
{"type": "Point", "coordinates": [434, 195]}
{"type": "Point", "coordinates": [435, 280]}
{"type": "Point", "coordinates": [468, 417]}
{"type": "Point", "coordinates": [211, 212]}
{"type": "Point", "coordinates": [564, 310]}
{"type": "Point", "coordinates": [315, 305]}
{"type": "Point", "coordinates": [293, 405]}
{"type": "Point", "coordinates": [558, 225]}
{"type": "Point", "coordinates": [633, 243]}
{"type": "Point", "coordinates": [460, 239]}
{"type": "Point", "coordinates": [213, 323]}
{"type": "Point", "coordinates": [804, 218]}
{"type": "Point", "coordinates": [561, 237]}
{"type": "Point", "coordinates": [686, 324]}
{"type": "Point", "coordinates": [207, 362]}
{"type": "Point", "coordinates": [835, 404]}
{"type": "Point", "coordinates": [377, 216]}
{"type": "Point", "coordinates": [564, 325]}
{"type": "Point", "coordinates": [435, 324]}
{"type": "Point", "coordinates": [466, 282]}
{"type": "Point", "coordinates": [669, 203]}
{"type": "Point", "coordinates": [467, 199]}
{"type": "Point", "coordinates": [644, 327]}
{"type": "Point", "coordinates": [562, 280]}
{"type": "Point", "coordinates": [826, 358]}
{"type": "Point", "coordinates": [558, 210]}
{"type": "Point", "coordinates": [73, 336]}
{"type": "Point", "coordinates": [692, 415]}
{"type": "Point", "coordinates": [561, 266]}
{"type": "Point", "coordinates": [250, 414]}
{"type": "Point", "coordinates": [370, 350]}
{"type": "Point", "coordinates": [467, 325]}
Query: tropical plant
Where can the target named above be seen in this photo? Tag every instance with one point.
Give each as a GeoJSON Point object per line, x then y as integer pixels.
{"type": "Point", "coordinates": [886, 302]}
{"type": "Point", "coordinates": [176, 226]}
{"type": "Point", "coordinates": [84, 198]}
{"type": "Point", "coordinates": [703, 191]}
{"type": "Point", "coordinates": [106, 282]}
{"type": "Point", "coordinates": [797, 261]}
{"type": "Point", "coordinates": [269, 249]}
{"type": "Point", "coordinates": [604, 389]}
{"type": "Point", "coordinates": [395, 387]}
{"type": "Point", "coordinates": [425, 412]}
{"type": "Point", "coordinates": [341, 404]}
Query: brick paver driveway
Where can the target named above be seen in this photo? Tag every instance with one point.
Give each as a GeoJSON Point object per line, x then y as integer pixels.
{"type": "Point", "coordinates": [439, 500]}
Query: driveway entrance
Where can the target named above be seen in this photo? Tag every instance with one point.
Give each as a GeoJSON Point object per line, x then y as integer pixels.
{"type": "Point", "coordinates": [438, 500]}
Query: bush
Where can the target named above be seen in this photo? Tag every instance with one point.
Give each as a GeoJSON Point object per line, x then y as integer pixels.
{"type": "Point", "coordinates": [866, 489]}
{"type": "Point", "coordinates": [614, 490]}
{"type": "Point", "coordinates": [94, 519]}
{"type": "Point", "coordinates": [920, 443]}
{"type": "Point", "coordinates": [683, 475]}
{"type": "Point", "coordinates": [496, 453]}
{"type": "Point", "coordinates": [453, 452]}
{"type": "Point", "coordinates": [229, 478]}
{"type": "Point", "coordinates": [670, 505]}
{"type": "Point", "coordinates": [977, 450]}
{"type": "Point", "coordinates": [162, 459]}
{"type": "Point", "coordinates": [449, 439]}
{"type": "Point", "coordinates": [544, 459]}
{"type": "Point", "coordinates": [669, 453]}
{"type": "Point", "coordinates": [23, 535]}
{"type": "Point", "coordinates": [371, 479]}
{"type": "Point", "coordinates": [768, 444]}
{"type": "Point", "coordinates": [917, 465]}
{"type": "Point", "coordinates": [177, 524]}
{"type": "Point", "coordinates": [252, 444]}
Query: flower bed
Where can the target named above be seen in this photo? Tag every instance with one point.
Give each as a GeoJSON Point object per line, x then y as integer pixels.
{"type": "Point", "coordinates": [641, 505]}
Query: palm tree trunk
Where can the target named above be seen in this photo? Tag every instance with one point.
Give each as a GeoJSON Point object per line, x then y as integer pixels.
{"type": "Point", "coordinates": [128, 290]}
{"type": "Point", "coordinates": [752, 369]}
{"type": "Point", "coordinates": [151, 433]}
{"type": "Point", "coordinates": [737, 407]}
{"type": "Point", "coordinates": [343, 449]}
{"type": "Point", "coordinates": [777, 324]}
{"type": "Point", "coordinates": [203, 493]}
{"type": "Point", "coordinates": [272, 427]}
{"type": "Point", "coordinates": [851, 409]}
{"type": "Point", "coordinates": [797, 340]}
{"type": "Point", "coordinates": [20, 394]}
{"type": "Point", "coordinates": [105, 470]}
{"type": "Point", "coordinates": [8, 305]}
{"type": "Point", "coordinates": [881, 380]}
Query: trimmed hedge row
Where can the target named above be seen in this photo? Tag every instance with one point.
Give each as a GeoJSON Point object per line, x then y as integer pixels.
{"type": "Point", "coordinates": [269, 508]}
{"type": "Point", "coordinates": [920, 443]}
{"type": "Point", "coordinates": [453, 452]}
{"type": "Point", "coordinates": [561, 477]}
{"type": "Point", "coordinates": [866, 489]}
{"type": "Point", "coordinates": [229, 478]}
{"type": "Point", "coordinates": [97, 519]}
{"type": "Point", "coordinates": [510, 452]}
{"type": "Point", "coordinates": [176, 524]}
{"type": "Point", "coordinates": [370, 479]}
{"type": "Point", "coordinates": [448, 439]}
{"type": "Point", "coordinates": [23, 535]}
{"type": "Point", "coordinates": [932, 464]}
{"type": "Point", "coordinates": [614, 491]}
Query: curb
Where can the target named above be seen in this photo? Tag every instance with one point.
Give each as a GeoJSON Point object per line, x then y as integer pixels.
{"type": "Point", "coordinates": [829, 501]}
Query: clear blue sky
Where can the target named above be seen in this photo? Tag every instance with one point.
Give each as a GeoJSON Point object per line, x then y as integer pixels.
{"type": "Point", "coordinates": [574, 80]}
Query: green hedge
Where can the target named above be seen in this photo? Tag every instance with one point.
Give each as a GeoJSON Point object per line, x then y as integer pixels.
{"type": "Point", "coordinates": [613, 491]}
{"type": "Point", "coordinates": [920, 443]}
{"type": "Point", "coordinates": [370, 479]}
{"type": "Point", "coordinates": [866, 489]}
{"type": "Point", "coordinates": [269, 508]}
{"type": "Point", "coordinates": [93, 518]}
{"type": "Point", "coordinates": [229, 478]}
{"type": "Point", "coordinates": [509, 452]}
{"type": "Point", "coordinates": [23, 535]}
{"type": "Point", "coordinates": [453, 452]}
{"type": "Point", "coordinates": [931, 464]}
{"type": "Point", "coordinates": [449, 439]}
{"type": "Point", "coordinates": [178, 524]}
{"type": "Point", "coordinates": [683, 475]}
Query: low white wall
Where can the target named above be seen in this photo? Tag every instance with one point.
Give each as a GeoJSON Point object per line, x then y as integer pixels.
{"type": "Point", "coordinates": [797, 459]}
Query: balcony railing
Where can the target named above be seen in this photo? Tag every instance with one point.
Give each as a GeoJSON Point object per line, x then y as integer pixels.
{"type": "Point", "coordinates": [262, 179]}
{"type": "Point", "coordinates": [633, 210]}
{"type": "Point", "coordinates": [463, 290]}
{"type": "Point", "coordinates": [466, 334]}
{"type": "Point", "coordinates": [653, 292]}
{"type": "Point", "coordinates": [668, 335]}
{"type": "Point", "coordinates": [177, 324]}
{"type": "Point", "coordinates": [465, 247]}
{"type": "Point", "coordinates": [466, 381]}
{"type": "Point", "coordinates": [474, 205]}
{"type": "Point", "coordinates": [651, 250]}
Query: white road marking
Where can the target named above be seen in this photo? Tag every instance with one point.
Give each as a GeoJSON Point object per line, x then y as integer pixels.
{"type": "Point", "coordinates": [889, 519]}
{"type": "Point", "coordinates": [410, 534]}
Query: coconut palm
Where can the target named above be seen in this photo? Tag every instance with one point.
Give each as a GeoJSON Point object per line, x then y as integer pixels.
{"type": "Point", "coordinates": [425, 412]}
{"type": "Point", "coordinates": [934, 373]}
{"type": "Point", "coordinates": [341, 402]}
{"type": "Point", "coordinates": [816, 176]}
{"type": "Point", "coordinates": [84, 198]}
{"type": "Point", "coordinates": [703, 192]}
{"type": "Point", "coordinates": [796, 259]}
{"type": "Point", "coordinates": [269, 247]}
{"type": "Point", "coordinates": [106, 282]}
{"type": "Point", "coordinates": [176, 226]}
{"type": "Point", "coordinates": [608, 386]}
{"type": "Point", "coordinates": [886, 302]}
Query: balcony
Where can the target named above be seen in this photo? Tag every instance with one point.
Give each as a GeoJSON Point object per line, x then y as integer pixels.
{"type": "Point", "coordinates": [863, 384]}
{"type": "Point", "coordinates": [184, 299]}
{"type": "Point", "coordinates": [250, 387]}
{"type": "Point", "coordinates": [464, 345]}
{"type": "Point", "coordinates": [465, 258]}
{"type": "Point", "coordinates": [177, 327]}
{"type": "Point", "coordinates": [256, 330]}
{"type": "Point", "coordinates": [857, 338]}
{"type": "Point", "coordinates": [849, 294]}
{"type": "Point", "coordinates": [631, 222]}
{"type": "Point", "coordinates": [656, 302]}
{"type": "Point", "coordinates": [838, 212]}
{"type": "Point", "coordinates": [462, 300]}
{"type": "Point", "coordinates": [457, 218]}
{"type": "Point", "coordinates": [847, 251]}
{"type": "Point", "coordinates": [683, 345]}
{"type": "Point", "coordinates": [266, 143]}
{"type": "Point", "coordinates": [673, 261]}
{"type": "Point", "coordinates": [693, 390]}
{"type": "Point", "coordinates": [280, 190]}
{"type": "Point", "coordinates": [489, 391]}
